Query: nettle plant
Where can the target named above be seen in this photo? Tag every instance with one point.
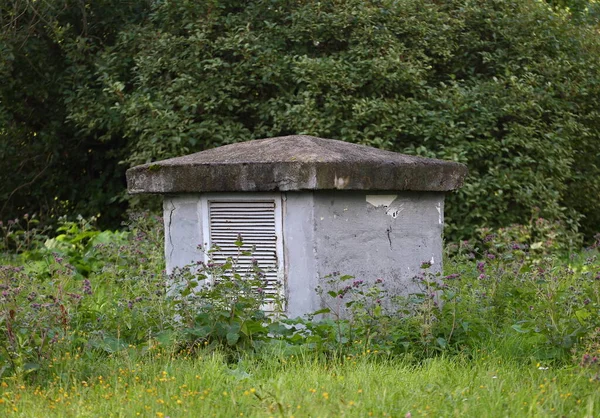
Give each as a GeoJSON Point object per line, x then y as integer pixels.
{"type": "Point", "coordinates": [361, 317]}
{"type": "Point", "coordinates": [508, 287]}
{"type": "Point", "coordinates": [501, 288]}
{"type": "Point", "coordinates": [22, 234]}
{"type": "Point", "coordinates": [226, 304]}
{"type": "Point", "coordinates": [355, 315]}
{"type": "Point", "coordinates": [82, 292]}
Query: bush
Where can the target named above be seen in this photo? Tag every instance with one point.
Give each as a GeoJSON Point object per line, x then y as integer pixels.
{"type": "Point", "coordinates": [509, 88]}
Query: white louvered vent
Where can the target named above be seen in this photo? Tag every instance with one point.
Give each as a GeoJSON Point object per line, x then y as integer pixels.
{"type": "Point", "coordinates": [258, 221]}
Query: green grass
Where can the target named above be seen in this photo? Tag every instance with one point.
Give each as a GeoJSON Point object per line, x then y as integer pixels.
{"type": "Point", "coordinates": [204, 386]}
{"type": "Point", "coordinates": [505, 310]}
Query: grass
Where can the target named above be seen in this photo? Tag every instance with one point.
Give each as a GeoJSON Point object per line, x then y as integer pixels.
{"type": "Point", "coordinates": [488, 385]}
{"type": "Point", "coordinates": [64, 306]}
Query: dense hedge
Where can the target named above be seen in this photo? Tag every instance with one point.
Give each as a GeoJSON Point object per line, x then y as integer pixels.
{"type": "Point", "coordinates": [509, 88]}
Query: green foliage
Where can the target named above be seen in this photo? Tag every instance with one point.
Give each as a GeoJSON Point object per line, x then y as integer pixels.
{"type": "Point", "coordinates": [47, 53]}
{"type": "Point", "coordinates": [19, 235]}
{"type": "Point", "coordinates": [507, 87]}
{"type": "Point", "coordinates": [95, 293]}
{"type": "Point", "coordinates": [581, 11]}
{"type": "Point", "coordinates": [494, 293]}
{"type": "Point", "coordinates": [81, 291]}
{"type": "Point", "coordinates": [224, 305]}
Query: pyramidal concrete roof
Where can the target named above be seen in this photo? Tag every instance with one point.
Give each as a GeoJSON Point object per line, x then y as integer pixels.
{"type": "Point", "coordinates": [296, 162]}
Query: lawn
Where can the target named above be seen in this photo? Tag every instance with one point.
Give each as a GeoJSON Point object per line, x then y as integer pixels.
{"type": "Point", "coordinates": [159, 385]}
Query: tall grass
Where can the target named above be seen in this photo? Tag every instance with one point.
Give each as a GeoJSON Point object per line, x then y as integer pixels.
{"type": "Point", "coordinates": [89, 329]}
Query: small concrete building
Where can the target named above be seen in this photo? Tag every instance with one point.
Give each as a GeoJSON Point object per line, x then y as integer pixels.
{"type": "Point", "coordinates": [310, 206]}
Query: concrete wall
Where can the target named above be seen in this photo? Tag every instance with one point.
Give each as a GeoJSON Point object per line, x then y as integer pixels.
{"type": "Point", "coordinates": [367, 235]}
{"type": "Point", "coordinates": [183, 230]}
{"type": "Point", "coordinates": [371, 236]}
{"type": "Point", "coordinates": [301, 272]}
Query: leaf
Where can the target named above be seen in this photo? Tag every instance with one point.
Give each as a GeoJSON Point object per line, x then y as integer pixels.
{"type": "Point", "coordinates": [321, 311]}
{"type": "Point", "coordinates": [30, 367]}
{"type": "Point", "coordinates": [232, 337]}
{"type": "Point", "coordinates": [582, 315]}
{"type": "Point", "coordinates": [108, 344]}
{"type": "Point", "coordinates": [201, 332]}
{"type": "Point", "coordinates": [166, 338]}
{"type": "Point", "coordinates": [253, 327]}
{"type": "Point", "coordinates": [520, 329]}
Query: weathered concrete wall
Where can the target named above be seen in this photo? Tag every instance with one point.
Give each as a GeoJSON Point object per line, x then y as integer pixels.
{"type": "Point", "coordinates": [183, 230]}
{"type": "Point", "coordinates": [373, 236]}
{"type": "Point", "coordinates": [367, 235]}
{"type": "Point", "coordinates": [299, 251]}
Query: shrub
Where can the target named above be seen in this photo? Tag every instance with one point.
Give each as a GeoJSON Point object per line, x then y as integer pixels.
{"type": "Point", "coordinates": [507, 87]}
{"type": "Point", "coordinates": [224, 305]}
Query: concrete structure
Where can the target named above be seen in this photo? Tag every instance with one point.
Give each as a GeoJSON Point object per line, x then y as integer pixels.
{"type": "Point", "coordinates": [311, 206]}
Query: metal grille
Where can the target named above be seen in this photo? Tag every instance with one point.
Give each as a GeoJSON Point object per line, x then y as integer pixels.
{"type": "Point", "coordinates": [256, 222]}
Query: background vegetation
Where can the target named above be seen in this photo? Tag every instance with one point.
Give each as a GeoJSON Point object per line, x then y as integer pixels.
{"type": "Point", "coordinates": [89, 325]}
{"type": "Point", "coordinates": [510, 88]}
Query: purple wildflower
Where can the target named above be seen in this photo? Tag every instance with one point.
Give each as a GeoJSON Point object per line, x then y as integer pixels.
{"type": "Point", "coordinates": [87, 287]}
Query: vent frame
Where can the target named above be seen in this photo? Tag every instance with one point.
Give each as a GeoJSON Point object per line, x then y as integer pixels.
{"type": "Point", "coordinates": [214, 208]}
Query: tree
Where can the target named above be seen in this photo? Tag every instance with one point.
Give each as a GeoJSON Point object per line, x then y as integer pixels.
{"type": "Point", "coordinates": [509, 88]}
{"type": "Point", "coordinates": [47, 52]}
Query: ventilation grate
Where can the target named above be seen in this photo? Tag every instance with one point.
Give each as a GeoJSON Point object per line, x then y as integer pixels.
{"type": "Point", "coordinates": [257, 223]}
